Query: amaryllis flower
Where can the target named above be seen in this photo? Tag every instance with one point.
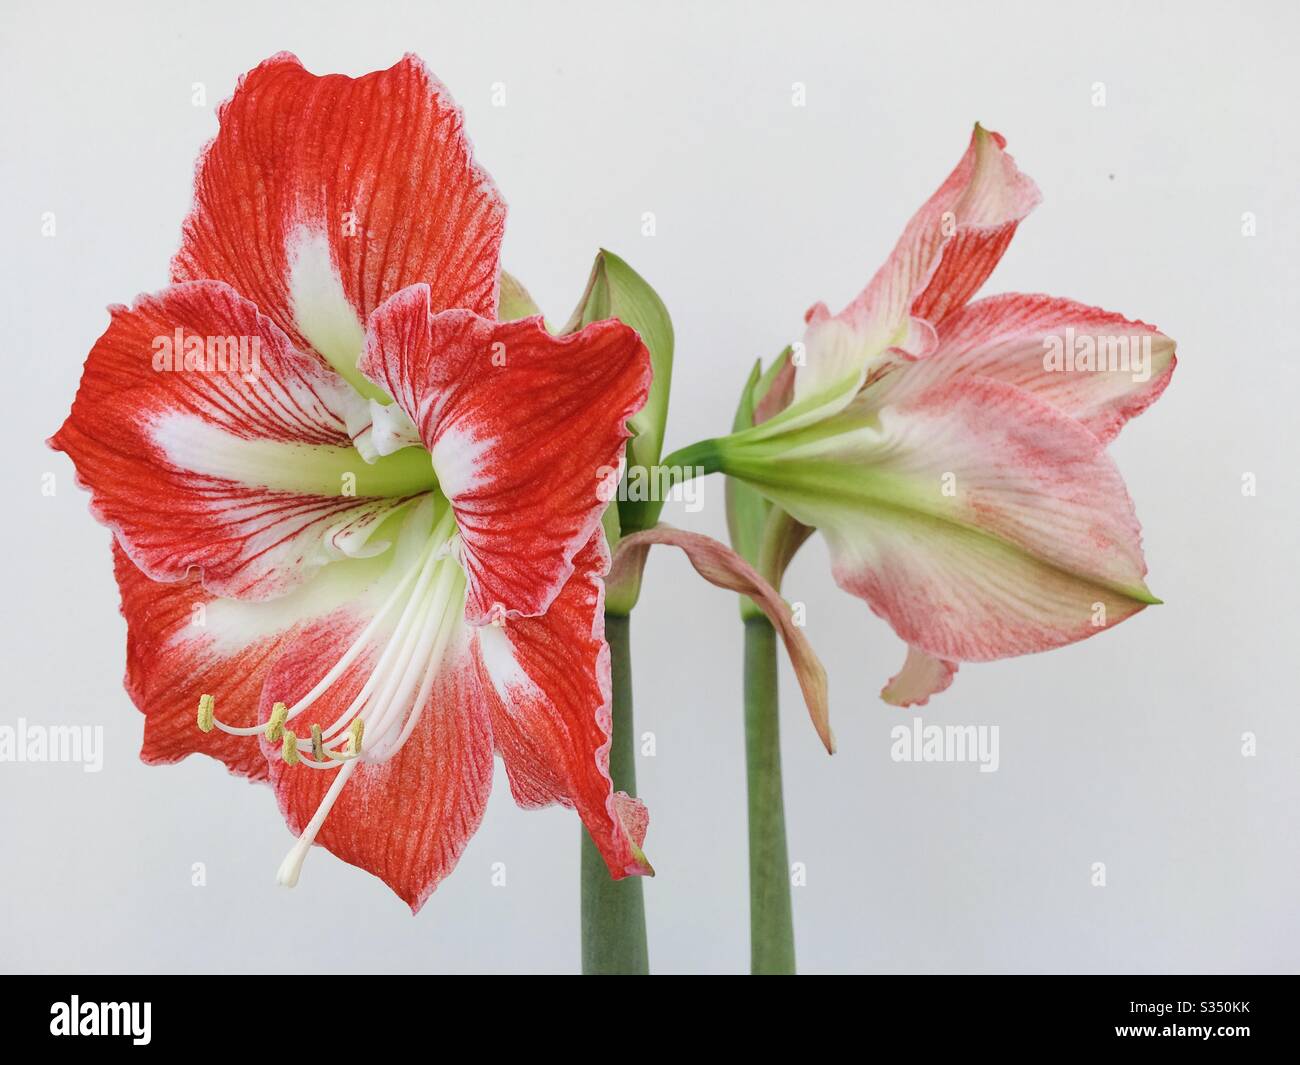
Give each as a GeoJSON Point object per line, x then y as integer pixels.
{"type": "Point", "coordinates": [953, 453]}
{"type": "Point", "coordinates": [369, 556]}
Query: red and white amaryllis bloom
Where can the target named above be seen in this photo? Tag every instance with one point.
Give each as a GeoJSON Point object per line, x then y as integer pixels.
{"type": "Point", "coordinates": [953, 453]}
{"type": "Point", "coordinates": [356, 517]}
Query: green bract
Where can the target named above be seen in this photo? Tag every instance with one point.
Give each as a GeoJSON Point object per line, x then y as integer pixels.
{"type": "Point", "coordinates": [615, 290]}
{"type": "Point", "coordinates": [514, 301]}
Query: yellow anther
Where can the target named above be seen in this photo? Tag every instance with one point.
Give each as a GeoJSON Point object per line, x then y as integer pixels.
{"type": "Point", "coordinates": [317, 747]}
{"type": "Point", "coordinates": [206, 708]}
{"type": "Point", "coordinates": [352, 747]}
{"type": "Point", "coordinates": [275, 726]}
{"type": "Point", "coordinates": [289, 749]}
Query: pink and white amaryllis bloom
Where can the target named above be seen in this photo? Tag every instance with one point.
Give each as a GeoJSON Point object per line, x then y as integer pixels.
{"type": "Point", "coordinates": [373, 541]}
{"type": "Point", "coordinates": [953, 453]}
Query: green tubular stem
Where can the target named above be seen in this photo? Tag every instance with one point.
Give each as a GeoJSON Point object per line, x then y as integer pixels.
{"type": "Point", "coordinates": [703, 454]}
{"type": "Point", "coordinates": [613, 911]}
{"type": "Point", "coordinates": [697, 459]}
{"type": "Point", "coordinates": [771, 922]}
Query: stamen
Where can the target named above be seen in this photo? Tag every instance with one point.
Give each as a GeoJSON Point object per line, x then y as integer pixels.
{"type": "Point", "coordinates": [403, 656]}
{"type": "Point", "coordinates": [206, 705]}
{"type": "Point", "coordinates": [439, 626]}
{"type": "Point", "coordinates": [275, 725]}
{"type": "Point", "coordinates": [397, 645]}
{"type": "Point", "coordinates": [423, 622]}
{"type": "Point", "coordinates": [433, 632]}
{"type": "Point", "coordinates": [421, 698]}
{"type": "Point", "coordinates": [352, 747]}
{"type": "Point", "coordinates": [349, 656]}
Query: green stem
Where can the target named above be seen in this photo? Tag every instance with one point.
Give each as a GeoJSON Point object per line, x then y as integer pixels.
{"type": "Point", "coordinates": [701, 456]}
{"type": "Point", "coordinates": [613, 911]}
{"type": "Point", "coordinates": [771, 927]}
{"type": "Point", "coordinates": [682, 465]}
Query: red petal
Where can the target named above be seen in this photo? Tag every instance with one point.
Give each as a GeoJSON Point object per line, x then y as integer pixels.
{"type": "Point", "coordinates": [552, 720]}
{"type": "Point", "coordinates": [406, 820]}
{"type": "Point", "coordinates": [376, 169]}
{"type": "Point", "coordinates": [526, 432]}
{"type": "Point", "coordinates": [170, 662]}
{"type": "Point", "coordinates": [179, 463]}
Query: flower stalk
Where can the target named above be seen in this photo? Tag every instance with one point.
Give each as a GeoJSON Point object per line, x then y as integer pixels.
{"type": "Point", "coordinates": [613, 911]}
{"type": "Point", "coordinates": [771, 923]}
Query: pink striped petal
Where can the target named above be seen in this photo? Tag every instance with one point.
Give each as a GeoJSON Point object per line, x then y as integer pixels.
{"type": "Point", "coordinates": [922, 676]}
{"type": "Point", "coordinates": [977, 519]}
{"type": "Point", "coordinates": [945, 254]}
{"type": "Point", "coordinates": [1096, 366]}
{"type": "Point", "coordinates": [954, 241]}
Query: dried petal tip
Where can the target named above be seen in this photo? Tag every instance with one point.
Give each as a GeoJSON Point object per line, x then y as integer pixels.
{"type": "Point", "coordinates": [289, 748]}
{"type": "Point", "coordinates": [275, 726]}
{"type": "Point", "coordinates": [722, 567]}
{"type": "Point", "coordinates": [206, 712]}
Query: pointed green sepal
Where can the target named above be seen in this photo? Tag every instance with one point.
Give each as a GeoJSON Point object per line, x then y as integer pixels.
{"type": "Point", "coordinates": [762, 533]}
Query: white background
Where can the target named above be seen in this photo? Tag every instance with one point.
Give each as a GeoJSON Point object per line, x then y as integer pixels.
{"type": "Point", "coordinates": [1125, 749]}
